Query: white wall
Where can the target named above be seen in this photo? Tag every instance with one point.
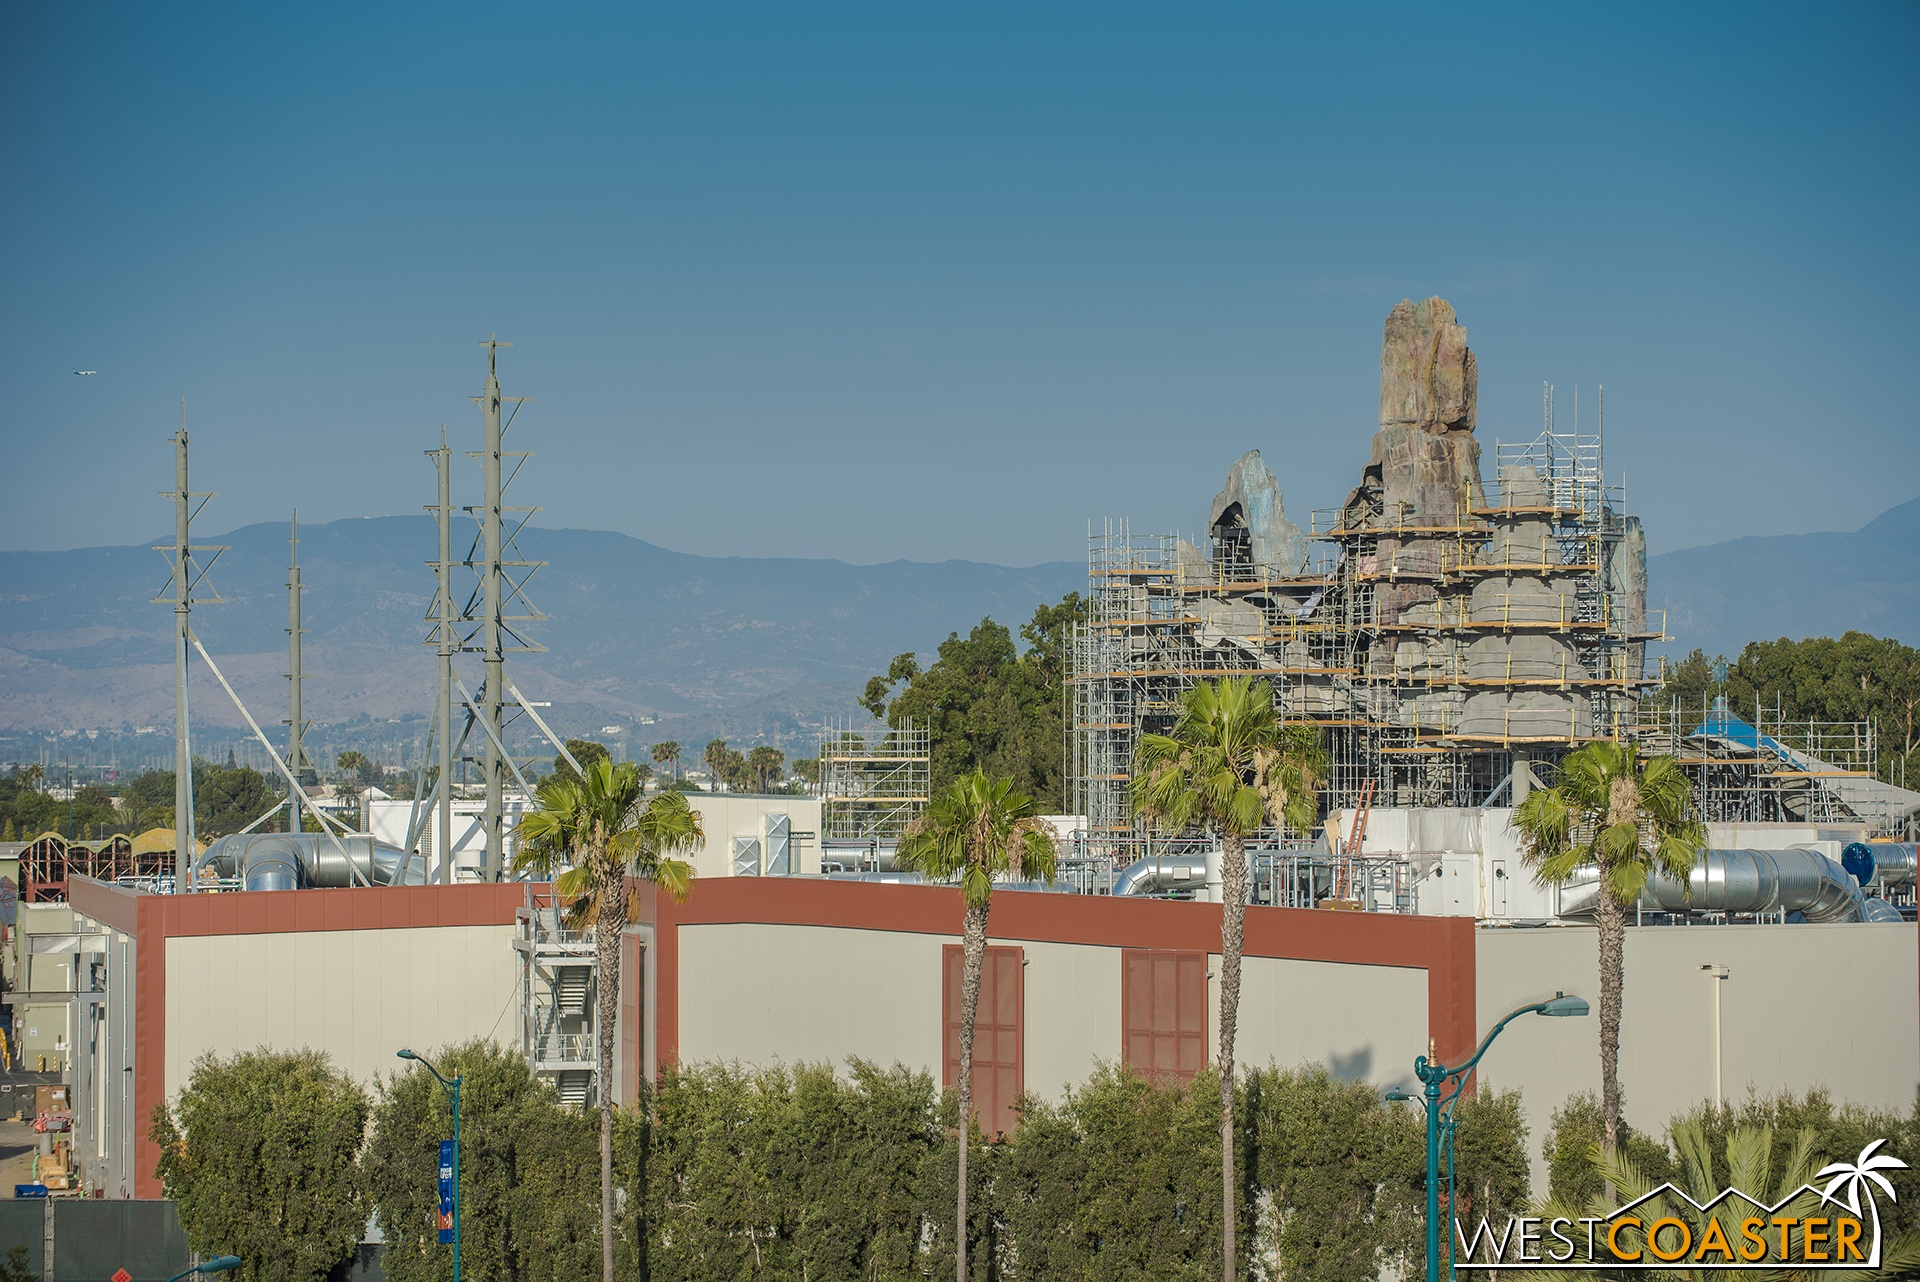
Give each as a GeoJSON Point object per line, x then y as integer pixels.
{"type": "Point", "coordinates": [359, 995]}
{"type": "Point", "coordinates": [1805, 1005]}
{"type": "Point", "coordinates": [766, 994]}
{"type": "Point", "coordinates": [1073, 997]}
{"type": "Point", "coordinates": [1365, 1023]}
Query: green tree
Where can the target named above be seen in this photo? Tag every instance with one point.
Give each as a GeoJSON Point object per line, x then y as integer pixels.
{"type": "Point", "coordinates": [261, 1154]}
{"type": "Point", "coordinates": [523, 1158]}
{"type": "Point", "coordinates": [766, 1172]}
{"type": "Point", "coordinates": [1575, 1133]}
{"type": "Point", "coordinates": [808, 768]}
{"type": "Point", "coordinates": [586, 752]}
{"type": "Point", "coordinates": [989, 707]}
{"type": "Point", "coordinates": [1592, 821]}
{"type": "Point", "coordinates": [602, 827]}
{"type": "Point", "coordinates": [1340, 1168]}
{"type": "Point", "coordinates": [1120, 1180]}
{"type": "Point", "coordinates": [1855, 678]}
{"type": "Point", "coordinates": [975, 829]}
{"type": "Point", "coordinates": [1755, 1162]}
{"type": "Point", "coordinates": [766, 765]}
{"type": "Point", "coordinates": [226, 800]}
{"type": "Point", "coordinates": [727, 769]}
{"type": "Point", "coordinates": [1231, 768]}
{"type": "Point", "coordinates": [1839, 1132]}
{"type": "Point", "coordinates": [1490, 1164]}
{"type": "Point", "coordinates": [668, 754]}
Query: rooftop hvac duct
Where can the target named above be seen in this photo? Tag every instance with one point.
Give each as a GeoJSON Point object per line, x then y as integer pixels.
{"type": "Point", "coordinates": [1880, 864]}
{"type": "Point", "coordinates": [304, 860]}
{"type": "Point", "coordinates": [1162, 874]}
{"type": "Point", "coordinates": [905, 877]}
{"type": "Point", "coordinates": [1748, 881]}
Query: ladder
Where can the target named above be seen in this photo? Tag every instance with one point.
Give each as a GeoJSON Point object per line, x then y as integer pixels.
{"type": "Point", "coordinates": [1356, 837]}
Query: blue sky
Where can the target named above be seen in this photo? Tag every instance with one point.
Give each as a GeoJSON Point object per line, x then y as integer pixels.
{"type": "Point", "coordinates": [917, 281]}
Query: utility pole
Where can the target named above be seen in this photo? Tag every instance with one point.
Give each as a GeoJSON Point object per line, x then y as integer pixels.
{"type": "Point", "coordinates": [186, 576]}
{"type": "Point", "coordinates": [295, 726]}
{"type": "Point", "coordinates": [183, 851]}
{"type": "Point", "coordinates": [492, 653]}
{"type": "Point", "coordinates": [498, 591]}
{"type": "Point", "coordinates": [444, 639]}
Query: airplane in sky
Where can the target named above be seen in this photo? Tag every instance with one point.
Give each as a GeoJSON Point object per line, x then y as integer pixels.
{"type": "Point", "coordinates": [86, 371]}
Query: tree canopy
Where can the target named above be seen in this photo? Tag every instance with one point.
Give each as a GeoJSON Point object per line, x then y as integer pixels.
{"type": "Point", "coordinates": [988, 705]}
{"type": "Point", "coordinates": [261, 1153]}
{"type": "Point", "coordinates": [1853, 678]}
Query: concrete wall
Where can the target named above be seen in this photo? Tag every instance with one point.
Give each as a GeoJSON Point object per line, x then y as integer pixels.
{"type": "Point", "coordinates": [1072, 996]}
{"type": "Point", "coordinates": [1365, 1023]}
{"type": "Point", "coordinates": [766, 994]}
{"type": "Point", "coordinates": [763, 994]}
{"type": "Point", "coordinates": [359, 995]}
{"type": "Point", "coordinates": [1804, 1006]}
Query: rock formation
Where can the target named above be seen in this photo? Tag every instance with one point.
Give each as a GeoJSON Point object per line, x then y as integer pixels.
{"type": "Point", "coordinates": [1425, 459]}
{"type": "Point", "coordinates": [1252, 536]}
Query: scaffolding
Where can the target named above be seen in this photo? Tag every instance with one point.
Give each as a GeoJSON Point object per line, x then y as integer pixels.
{"type": "Point", "coordinates": [873, 784]}
{"type": "Point", "coordinates": [1450, 659]}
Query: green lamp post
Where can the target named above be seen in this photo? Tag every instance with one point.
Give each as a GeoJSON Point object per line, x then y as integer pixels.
{"type": "Point", "coordinates": [453, 1091]}
{"type": "Point", "coordinates": [1434, 1073]}
{"type": "Point", "coordinates": [219, 1264]}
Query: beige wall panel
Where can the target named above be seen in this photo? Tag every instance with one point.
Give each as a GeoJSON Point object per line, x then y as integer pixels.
{"type": "Point", "coordinates": [1365, 1023]}
{"type": "Point", "coordinates": [1073, 994]}
{"type": "Point", "coordinates": [1804, 1005]}
{"type": "Point", "coordinates": [359, 995]}
{"type": "Point", "coordinates": [765, 994]}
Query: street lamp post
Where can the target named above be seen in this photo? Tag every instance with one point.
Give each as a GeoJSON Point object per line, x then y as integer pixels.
{"type": "Point", "coordinates": [219, 1264]}
{"type": "Point", "coordinates": [1433, 1073]}
{"type": "Point", "coordinates": [453, 1091]}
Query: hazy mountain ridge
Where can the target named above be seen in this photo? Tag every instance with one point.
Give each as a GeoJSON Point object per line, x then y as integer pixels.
{"type": "Point", "coordinates": [761, 649]}
{"type": "Point", "coordinates": [633, 628]}
{"type": "Point", "coordinates": [1766, 587]}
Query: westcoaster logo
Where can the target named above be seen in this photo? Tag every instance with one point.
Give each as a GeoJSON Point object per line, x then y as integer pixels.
{"type": "Point", "coordinates": [1665, 1227]}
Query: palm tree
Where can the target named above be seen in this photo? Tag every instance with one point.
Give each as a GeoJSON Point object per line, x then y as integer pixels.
{"type": "Point", "coordinates": [1761, 1183]}
{"type": "Point", "coordinates": [1624, 819]}
{"type": "Point", "coordinates": [667, 754]}
{"type": "Point", "coordinates": [598, 830]}
{"type": "Point", "coordinates": [977, 828]}
{"type": "Point", "coordinates": [1231, 768]}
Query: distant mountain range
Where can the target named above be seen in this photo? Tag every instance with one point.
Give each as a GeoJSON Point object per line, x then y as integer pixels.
{"type": "Point", "coordinates": [1722, 596]}
{"type": "Point", "coordinates": [761, 650]}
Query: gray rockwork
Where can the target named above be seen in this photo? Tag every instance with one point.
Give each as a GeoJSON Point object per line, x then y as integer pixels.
{"type": "Point", "coordinates": [1249, 525]}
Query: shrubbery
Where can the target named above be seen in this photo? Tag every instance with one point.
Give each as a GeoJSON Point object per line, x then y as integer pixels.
{"type": "Point", "coordinates": [737, 1172]}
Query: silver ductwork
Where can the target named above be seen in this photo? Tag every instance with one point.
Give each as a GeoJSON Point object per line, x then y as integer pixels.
{"type": "Point", "coordinates": [1880, 863]}
{"type": "Point", "coordinates": [903, 877]}
{"type": "Point", "coordinates": [1168, 873]}
{"type": "Point", "coordinates": [1747, 881]}
{"type": "Point", "coordinates": [308, 860]}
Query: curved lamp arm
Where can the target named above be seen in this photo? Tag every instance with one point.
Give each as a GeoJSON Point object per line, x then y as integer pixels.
{"type": "Point", "coordinates": [407, 1054]}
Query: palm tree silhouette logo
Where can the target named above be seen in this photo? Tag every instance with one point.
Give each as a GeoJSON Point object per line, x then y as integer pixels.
{"type": "Point", "coordinates": [1858, 1177]}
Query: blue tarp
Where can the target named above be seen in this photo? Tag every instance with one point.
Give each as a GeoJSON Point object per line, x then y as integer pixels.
{"type": "Point", "coordinates": [1722, 724]}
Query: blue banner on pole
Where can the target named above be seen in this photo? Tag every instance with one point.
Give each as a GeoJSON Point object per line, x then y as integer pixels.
{"type": "Point", "coordinates": [446, 1191]}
